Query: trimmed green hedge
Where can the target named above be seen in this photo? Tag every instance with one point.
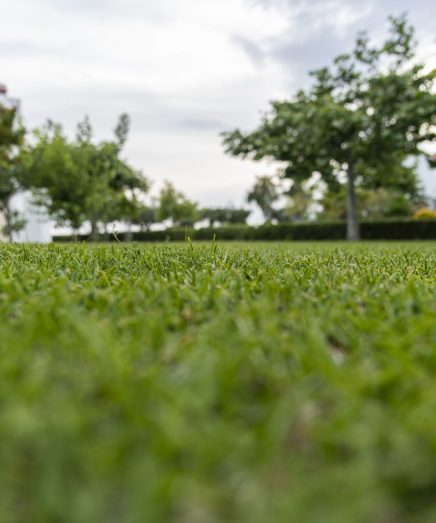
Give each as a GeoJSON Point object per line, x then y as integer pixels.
{"type": "Point", "coordinates": [381, 230]}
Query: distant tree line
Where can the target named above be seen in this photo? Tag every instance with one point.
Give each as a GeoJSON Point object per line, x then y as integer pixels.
{"type": "Point", "coordinates": [345, 147]}
{"type": "Point", "coordinates": [81, 181]}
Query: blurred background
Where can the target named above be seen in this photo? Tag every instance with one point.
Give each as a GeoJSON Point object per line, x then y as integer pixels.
{"type": "Point", "coordinates": [184, 72]}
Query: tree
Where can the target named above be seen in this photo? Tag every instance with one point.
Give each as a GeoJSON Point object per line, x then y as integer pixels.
{"type": "Point", "coordinates": [264, 194]}
{"type": "Point", "coordinates": [398, 176]}
{"type": "Point", "coordinates": [374, 204]}
{"type": "Point", "coordinates": [371, 107]}
{"type": "Point", "coordinates": [54, 171]}
{"type": "Point", "coordinates": [174, 205]}
{"type": "Point", "coordinates": [300, 201]}
{"type": "Point", "coordinates": [11, 138]}
{"type": "Point", "coordinates": [145, 216]}
{"type": "Point", "coordinates": [237, 216]}
{"type": "Point", "coordinates": [122, 129]}
{"type": "Point", "coordinates": [213, 215]}
{"type": "Point", "coordinates": [82, 181]}
{"type": "Point", "coordinates": [113, 185]}
{"type": "Point", "coordinates": [224, 215]}
{"type": "Point", "coordinates": [395, 192]}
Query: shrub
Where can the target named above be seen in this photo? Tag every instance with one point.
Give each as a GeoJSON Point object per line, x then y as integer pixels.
{"type": "Point", "coordinates": [370, 230]}
{"type": "Point", "coordinates": [425, 214]}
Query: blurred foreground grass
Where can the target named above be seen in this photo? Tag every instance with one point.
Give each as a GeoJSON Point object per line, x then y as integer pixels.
{"type": "Point", "coordinates": [268, 383]}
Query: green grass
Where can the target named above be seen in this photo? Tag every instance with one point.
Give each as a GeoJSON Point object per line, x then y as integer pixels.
{"type": "Point", "coordinates": [201, 384]}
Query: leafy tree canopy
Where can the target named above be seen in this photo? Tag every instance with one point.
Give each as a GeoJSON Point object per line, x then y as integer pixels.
{"type": "Point", "coordinates": [82, 181]}
{"type": "Point", "coordinates": [11, 139]}
{"type": "Point", "coordinates": [264, 194]}
{"type": "Point", "coordinates": [370, 109]}
{"type": "Point", "coordinates": [225, 215]}
{"type": "Point", "coordinates": [175, 206]}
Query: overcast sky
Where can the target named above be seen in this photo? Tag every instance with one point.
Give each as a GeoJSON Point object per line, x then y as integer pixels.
{"type": "Point", "coordinates": [185, 70]}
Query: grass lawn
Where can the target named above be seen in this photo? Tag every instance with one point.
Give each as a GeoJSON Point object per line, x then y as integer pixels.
{"type": "Point", "coordinates": [218, 383]}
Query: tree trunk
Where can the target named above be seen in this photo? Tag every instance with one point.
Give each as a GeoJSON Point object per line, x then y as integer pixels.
{"type": "Point", "coordinates": [353, 229]}
{"type": "Point", "coordinates": [94, 230]}
{"type": "Point", "coordinates": [106, 232]}
{"type": "Point", "coordinates": [7, 213]}
{"type": "Point", "coordinates": [129, 235]}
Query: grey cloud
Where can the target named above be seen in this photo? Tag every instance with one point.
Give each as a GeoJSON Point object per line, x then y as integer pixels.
{"type": "Point", "coordinates": [320, 43]}
{"type": "Point", "coordinates": [305, 56]}
{"type": "Point", "coordinates": [251, 49]}
{"type": "Point", "coordinates": [150, 112]}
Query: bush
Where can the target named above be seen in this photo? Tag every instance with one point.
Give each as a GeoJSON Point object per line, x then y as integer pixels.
{"type": "Point", "coordinates": [425, 214]}
{"type": "Point", "coordinates": [399, 230]}
{"type": "Point", "coordinates": [379, 230]}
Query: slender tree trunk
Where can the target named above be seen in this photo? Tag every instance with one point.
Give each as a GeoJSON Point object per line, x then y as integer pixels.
{"type": "Point", "coordinates": [353, 229]}
{"type": "Point", "coordinates": [129, 235]}
{"type": "Point", "coordinates": [7, 213]}
{"type": "Point", "coordinates": [94, 230]}
{"type": "Point", "coordinates": [106, 232]}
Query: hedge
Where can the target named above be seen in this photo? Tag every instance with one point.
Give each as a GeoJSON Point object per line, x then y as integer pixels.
{"type": "Point", "coordinates": [380, 230]}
